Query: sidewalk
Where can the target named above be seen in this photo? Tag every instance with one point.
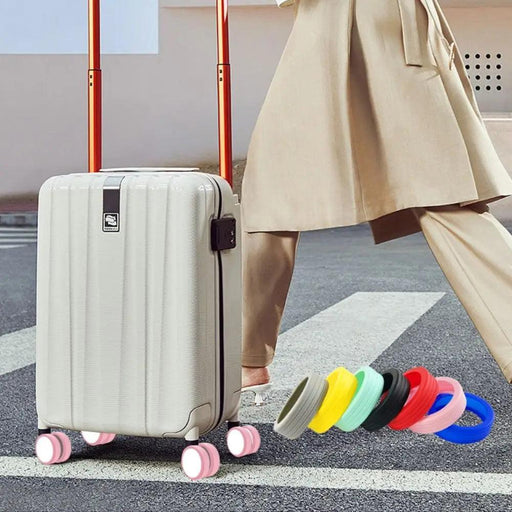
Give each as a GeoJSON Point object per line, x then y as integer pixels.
{"type": "Point", "coordinates": [18, 211]}
{"type": "Point", "coordinates": [14, 204]}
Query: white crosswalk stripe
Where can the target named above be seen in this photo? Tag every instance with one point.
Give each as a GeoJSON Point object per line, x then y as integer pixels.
{"type": "Point", "coordinates": [353, 332]}
{"type": "Point", "coordinates": [14, 237]}
{"type": "Point", "coordinates": [342, 330]}
{"type": "Point", "coordinates": [268, 475]}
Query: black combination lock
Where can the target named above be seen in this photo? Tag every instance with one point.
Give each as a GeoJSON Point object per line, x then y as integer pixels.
{"type": "Point", "coordinates": [223, 234]}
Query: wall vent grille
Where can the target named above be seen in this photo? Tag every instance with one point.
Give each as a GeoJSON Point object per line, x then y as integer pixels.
{"type": "Point", "coordinates": [485, 70]}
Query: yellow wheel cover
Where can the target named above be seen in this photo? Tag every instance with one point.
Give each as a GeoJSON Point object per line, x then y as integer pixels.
{"type": "Point", "coordinates": [342, 387]}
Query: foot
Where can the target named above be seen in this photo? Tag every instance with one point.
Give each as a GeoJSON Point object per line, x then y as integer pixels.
{"type": "Point", "coordinates": [254, 376]}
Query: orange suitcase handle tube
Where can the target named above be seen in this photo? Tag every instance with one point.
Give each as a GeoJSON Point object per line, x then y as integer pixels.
{"type": "Point", "coordinates": [94, 87]}
{"type": "Point", "coordinates": [223, 91]}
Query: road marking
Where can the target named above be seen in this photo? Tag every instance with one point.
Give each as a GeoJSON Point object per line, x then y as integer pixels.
{"type": "Point", "coordinates": [352, 333]}
{"type": "Point", "coordinates": [18, 229]}
{"type": "Point", "coordinates": [11, 235]}
{"type": "Point", "coordinates": [272, 476]}
{"type": "Point", "coordinates": [18, 240]}
{"type": "Point", "coordinates": [17, 349]}
{"type": "Point", "coordinates": [11, 238]}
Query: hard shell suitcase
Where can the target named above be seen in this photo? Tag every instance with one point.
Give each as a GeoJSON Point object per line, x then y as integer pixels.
{"type": "Point", "coordinates": [139, 298]}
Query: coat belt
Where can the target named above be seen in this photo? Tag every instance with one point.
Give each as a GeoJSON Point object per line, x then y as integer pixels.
{"type": "Point", "coordinates": [411, 35]}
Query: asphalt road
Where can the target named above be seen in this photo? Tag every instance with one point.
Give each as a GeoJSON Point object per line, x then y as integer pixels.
{"type": "Point", "coordinates": [350, 303]}
{"type": "Point", "coordinates": [17, 279]}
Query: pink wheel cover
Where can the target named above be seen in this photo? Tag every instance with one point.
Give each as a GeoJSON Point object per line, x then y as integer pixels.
{"type": "Point", "coordinates": [205, 461]}
{"type": "Point", "coordinates": [255, 438]}
{"type": "Point", "coordinates": [65, 445]}
{"type": "Point", "coordinates": [102, 439]}
{"type": "Point", "coordinates": [247, 437]}
{"type": "Point", "coordinates": [95, 443]}
{"type": "Point", "coordinates": [214, 458]}
{"type": "Point", "coordinates": [107, 438]}
{"type": "Point", "coordinates": [55, 445]}
{"type": "Point", "coordinates": [449, 414]}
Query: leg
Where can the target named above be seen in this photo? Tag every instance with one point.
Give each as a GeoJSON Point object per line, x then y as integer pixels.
{"type": "Point", "coordinates": [474, 250]}
{"type": "Point", "coordinates": [268, 259]}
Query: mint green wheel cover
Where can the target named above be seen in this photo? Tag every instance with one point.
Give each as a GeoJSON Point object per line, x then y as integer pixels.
{"type": "Point", "coordinates": [370, 385]}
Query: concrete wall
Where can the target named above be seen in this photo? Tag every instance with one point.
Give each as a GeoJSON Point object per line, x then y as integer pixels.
{"type": "Point", "coordinates": [161, 109]}
{"type": "Point", "coordinates": [158, 109]}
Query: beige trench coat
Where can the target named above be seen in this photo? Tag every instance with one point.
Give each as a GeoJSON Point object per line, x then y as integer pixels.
{"type": "Point", "coordinates": [370, 112]}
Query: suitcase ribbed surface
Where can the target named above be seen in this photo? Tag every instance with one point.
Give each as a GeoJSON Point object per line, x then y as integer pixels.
{"type": "Point", "coordinates": [127, 321]}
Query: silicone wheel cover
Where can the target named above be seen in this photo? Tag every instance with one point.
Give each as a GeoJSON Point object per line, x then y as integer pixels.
{"type": "Point", "coordinates": [301, 407]}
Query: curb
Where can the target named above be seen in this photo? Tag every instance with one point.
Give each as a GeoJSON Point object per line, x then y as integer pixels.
{"type": "Point", "coordinates": [19, 219]}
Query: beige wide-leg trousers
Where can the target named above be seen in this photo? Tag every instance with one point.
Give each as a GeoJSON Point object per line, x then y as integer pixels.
{"type": "Point", "coordinates": [473, 249]}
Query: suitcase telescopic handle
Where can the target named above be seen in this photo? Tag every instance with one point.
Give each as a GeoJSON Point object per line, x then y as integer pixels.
{"type": "Point", "coordinates": [223, 90]}
{"type": "Point", "coordinates": [94, 80]}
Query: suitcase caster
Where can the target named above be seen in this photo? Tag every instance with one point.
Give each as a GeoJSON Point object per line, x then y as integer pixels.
{"type": "Point", "coordinates": [97, 438]}
{"type": "Point", "coordinates": [243, 440]}
{"type": "Point", "coordinates": [200, 460]}
{"type": "Point", "coordinates": [53, 448]}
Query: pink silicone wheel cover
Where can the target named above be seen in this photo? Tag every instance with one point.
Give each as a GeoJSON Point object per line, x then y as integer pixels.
{"type": "Point", "coordinates": [449, 414]}
{"type": "Point", "coordinates": [56, 447]}
{"type": "Point", "coordinates": [256, 439]}
{"type": "Point", "coordinates": [214, 458]}
{"type": "Point", "coordinates": [247, 437]}
{"type": "Point", "coordinates": [204, 458]}
{"type": "Point", "coordinates": [108, 437]}
{"type": "Point", "coordinates": [65, 445]}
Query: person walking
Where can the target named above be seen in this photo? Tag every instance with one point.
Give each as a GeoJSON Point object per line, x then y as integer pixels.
{"type": "Point", "coordinates": [370, 117]}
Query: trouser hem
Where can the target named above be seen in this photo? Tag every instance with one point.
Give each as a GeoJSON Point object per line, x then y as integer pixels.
{"type": "Point", "coordinates": [507, 371]}
{"type": "Point", "coordinates": [256, 361]}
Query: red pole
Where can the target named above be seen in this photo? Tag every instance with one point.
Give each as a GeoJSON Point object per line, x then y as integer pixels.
{"type": "Point", "coordinates": [224, 93]}
{"type": "Point", "coordinates": [94, 81]}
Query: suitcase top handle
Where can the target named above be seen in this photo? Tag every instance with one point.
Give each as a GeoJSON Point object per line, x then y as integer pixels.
{"type": "Point", "coordinates": [223, 90]}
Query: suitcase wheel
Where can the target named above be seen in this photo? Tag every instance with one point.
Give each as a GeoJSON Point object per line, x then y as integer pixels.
{"type": "Point", "coordinates": [243, 440]}
{"type": "Point", "coordinates": [97, 438]}
{"type": "Point", "coordinates": [53, 448]}
{"type": "Point", "coordinates": [65, 445]}
{"type": "Point", "coordinates": [256, 439]}
{"type": "Point", "coordinates": [213, 453]}
{"type": "Point", "coordinates": [200, 461]}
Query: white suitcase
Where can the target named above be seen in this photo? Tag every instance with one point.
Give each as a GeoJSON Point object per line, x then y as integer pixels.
{"type": "Point", "coordinates": [139, 310]}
